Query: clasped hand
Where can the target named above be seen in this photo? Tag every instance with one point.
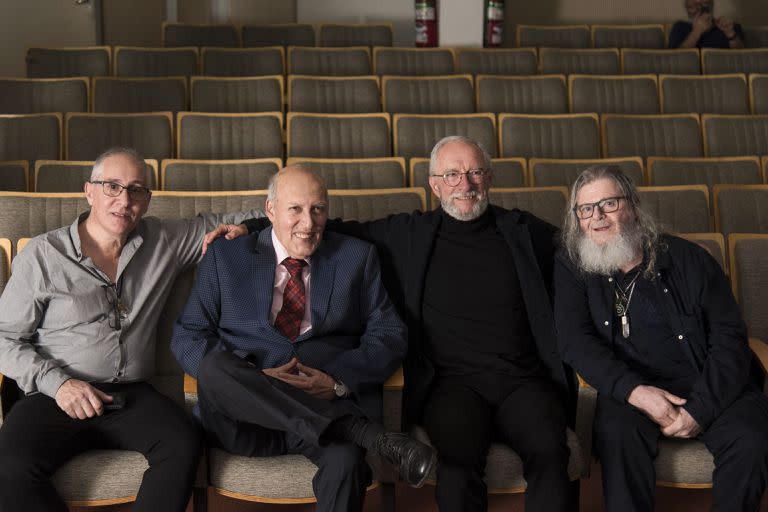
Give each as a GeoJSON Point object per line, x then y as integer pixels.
{"type": "Point", "coordinates": [313, 381]}
{"type": "Point", "coordinates": [666, 410]}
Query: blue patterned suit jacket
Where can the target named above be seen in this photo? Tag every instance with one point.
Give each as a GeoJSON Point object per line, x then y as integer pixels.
{"type": "Point", "coordinates": [356, 334]}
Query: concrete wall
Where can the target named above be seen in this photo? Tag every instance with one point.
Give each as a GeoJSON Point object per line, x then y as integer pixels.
{"type": "Point", "coordinates": [134, 23]}
{"type": "Point", "coordinates": [398, 12]}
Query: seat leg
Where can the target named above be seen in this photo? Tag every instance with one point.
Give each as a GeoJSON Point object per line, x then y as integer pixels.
{"type": "Point", "coordinates": [387, 497]}
{"type": "Point", "coordinates": [200, 499]}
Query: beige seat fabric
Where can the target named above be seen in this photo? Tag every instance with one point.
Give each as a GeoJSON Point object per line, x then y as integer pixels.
{"type": "Point", "coordinates": [14, 176]}
{"type": "Point", "coordinates": [522, 95]}
{"type": "Point", "coordinates": [628, 36]}
{"type": "Point", "coordinates": [741, 208]}
{"type": "Point", "coordinates": [70, 176]}
{"type": "Point", "coordinates": [68, 62]}
{"type": "Point", "coordinates": [614, 94]}
{"type": "Point", "coordinates": [554, 172]}
{"type": "Point", "coordinates": [369, 34]}
{"type": "Point", "coordinates": [5, 263]}
{"type": "Point", "coordinates": [188, 34]}
{"type": "Point", "coordinates": [431, 95]}
{"type": "Point", "coordinates": [749, 273]}
{"type": "Point", "coordinates": [199, 175]}
{"type": "Point", "coordinates": [230, 136]}
{"type": "Point", "coordinates": [549, 136]}
{"type": "Point", "coordinates": [89, 135]}
{"type": "Point", "coordinates": [334, 95]}
{"type": "Point", "coordinates": [135, 61]}
{"type": "Point", "coordinates": [722, 94]}
{"type": "Point", "coordinates": [663, 135]}
{"type": "Point", "coordinates": [352, 61]}
{"type": "Point", "coordinates": [365, 205]}
{"type": "Point", "coordinates": [707, 171]}
{"type": "Point", "coordinates": [413, 61]}
{"type": "Point", "coordinates": [758, 90]}
{"type": "Point", "coordinates": [547, 203]}
{"type": "Point", "coordinates": [30, 137]}
{"type": "Point", "coordinates": [282, 34]}
{"type": "Point", "coordinates": [682, 209]}
{"type": "Point", "coordinates": [237, 94]}
{"type": "Point", "coordinates": [26, 215]}
{"type": "Point", "coordinates": [586, 62]}
{"type": "Point", "coordinates": [243, 61]}
{"type": "Point", "coordinates": [680, 62]}
{"type": "Point", "coordinates": [114, 94]}
{"type": "Point", "coordinates": [415, 134]}
{"type": "Point", "coordinates": [497, 61]}
{"type": "Point", "coordinates": [716, 61]}
{"type": "Point", "coordinates": [358, 172]}
{"type": "Point", "coordinates": [735, 135]}
{"type": "Point", "coordinates": [338, 135]}
{"type": "Point", "coordinates": [31, 96]}
{"type": "Point", "coordinates": [554, 36]}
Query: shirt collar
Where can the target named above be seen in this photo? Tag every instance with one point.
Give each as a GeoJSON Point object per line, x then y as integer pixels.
{"type": "Point", "coordinates": [281, 252]}
{"type": "Point", "coordinates": [134, 237]}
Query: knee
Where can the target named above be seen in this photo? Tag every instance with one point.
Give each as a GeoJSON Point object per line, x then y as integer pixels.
{"type": "Point", "coordinates": [211, 366]}
{"type": "Point", "coordinates": [17, 470]}
{"type": "Point", "coordinates": [750, 448]}
{"type": "Point", "coordinates": [183, 445]}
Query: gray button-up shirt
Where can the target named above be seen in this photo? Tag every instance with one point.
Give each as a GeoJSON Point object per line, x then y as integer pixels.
{"type": "Point", "coordinates": [58, 315]}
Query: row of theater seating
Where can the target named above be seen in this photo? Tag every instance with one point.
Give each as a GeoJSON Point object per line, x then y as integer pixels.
{"type": "Point", "coordinates": [450, 94]}
{"type": "Point", "coordinates": [214, 136]}
{"type": "Point", "coordinates": [360, 61]}
{"type": "Point", "coordinates": [334, 34]}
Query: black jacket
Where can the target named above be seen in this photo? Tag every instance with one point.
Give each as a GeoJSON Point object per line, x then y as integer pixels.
{"type": "Point", "coordinates": [405, 243]}
{"type": "Point", "coordinates": [697, 300]}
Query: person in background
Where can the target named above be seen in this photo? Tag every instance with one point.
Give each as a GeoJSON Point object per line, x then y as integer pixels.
{"type": "Point", "coordinates": [704, 30]}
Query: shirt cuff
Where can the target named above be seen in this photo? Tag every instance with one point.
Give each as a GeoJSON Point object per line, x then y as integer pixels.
{"type": "Point", "coordinates": [50, 383]}
{"type": "Point", "coordinates": [697, 410]}
{"type": "Point", "coordinates": [625, 385]}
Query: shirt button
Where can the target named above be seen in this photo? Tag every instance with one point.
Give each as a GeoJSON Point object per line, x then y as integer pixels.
{"type": "Point", "coordinates": [679, 336]}
{"type": "Point", "coordinates": [610, 279]}
{"type": "Point", "coordinates": [606, 322]}
{"type": "Point", "coordinates": [115, 379]}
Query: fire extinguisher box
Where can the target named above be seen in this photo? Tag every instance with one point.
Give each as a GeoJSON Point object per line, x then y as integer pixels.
{"type": "Point", "coordinates": [461, 22]}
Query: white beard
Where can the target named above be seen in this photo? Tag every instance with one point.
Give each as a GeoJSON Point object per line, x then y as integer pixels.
{"type": "Point", "coordinates": [477, 209]}
{"type": "Point", "coordinates": [614, 255]}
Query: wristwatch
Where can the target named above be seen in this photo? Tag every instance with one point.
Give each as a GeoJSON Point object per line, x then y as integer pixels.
{"type": "Point", "coordinates": [339, 389]}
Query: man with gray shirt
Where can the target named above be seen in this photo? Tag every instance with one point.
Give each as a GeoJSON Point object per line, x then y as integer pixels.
{"type": "Point", "coordinates": [77, 333]}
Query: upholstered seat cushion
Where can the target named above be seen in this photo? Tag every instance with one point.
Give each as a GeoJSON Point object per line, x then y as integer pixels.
{"type": "Point", "coordinates": [91, 475]}
{"type": "Point", "coordinates": [683, 460]}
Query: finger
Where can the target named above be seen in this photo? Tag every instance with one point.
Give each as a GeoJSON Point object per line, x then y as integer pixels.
{"type": "Point", "coordinates": [308, 370]}
{"type": "Point", "coordinates": [289, 366]}
{"type": "Point", "coordinates": [676, 400]}
{"type": "Point", "coordinates": [95, 403]}
{"type": "Point", "coordinates": [295, 380]}
{"type": "Point", "coordinates": [102, 395]}
{"type": "Point", "coordinates": [80, 412]}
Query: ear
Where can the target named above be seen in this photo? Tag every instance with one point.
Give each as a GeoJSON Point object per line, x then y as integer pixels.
{"type": "Point", "coordinates": [88, 189]}
{"type": "Point", "coordinates": [433, 186]}
{"type": "Point", "coordinates": [269, 209]}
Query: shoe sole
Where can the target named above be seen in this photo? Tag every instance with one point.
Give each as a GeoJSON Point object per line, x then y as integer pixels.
{"type": "Point", "coordinates": [430, 467]}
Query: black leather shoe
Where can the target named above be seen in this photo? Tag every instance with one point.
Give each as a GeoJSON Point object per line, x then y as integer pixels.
{"type": "Point", "coordinates": [414, 459]}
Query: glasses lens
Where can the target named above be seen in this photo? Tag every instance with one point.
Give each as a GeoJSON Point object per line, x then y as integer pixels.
{"type": "Point", "coordinates": [138, 193]}
{"type": "Point", "coordinates": [585, 212]}
{"type": "Point", "coordinates": [452, 178]}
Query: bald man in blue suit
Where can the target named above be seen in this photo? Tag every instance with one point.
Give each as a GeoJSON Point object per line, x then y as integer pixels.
{"type": "Point", "coordinates": [290, 334]}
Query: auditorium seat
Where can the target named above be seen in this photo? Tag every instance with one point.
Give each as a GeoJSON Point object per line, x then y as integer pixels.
{"type": "Point", "coordinates": [497, 61]}
{"type": "Point", "coordinates": [5, 263]}
{"type": "Point", "coordinates": [537, 94]}
{"type": "Point", "coordinates": [226, 136]}
{"type": "Point", "coordinates": [357, 173]}
{"type": "Point", "coordinates": [30, 137]}
{"type": "Point", "coordinates": [714, 243]}
{"type": "Point", "coordinates": [145, 62]}
{"type": "Point", "coordinates": [741, 208]}
{"type": "Point", "coordinates": [549, 136]}
{"type": "Point", "coordinates": [14, 176]}
{"type": "Point", "coordinates": [39, 95]}
{"type": "Point", "coordinates": [334, 95]}
{"type": "Point", "coordinates": [614, 94]}
{"type": "Point", "coordinates": [758, 88]}
{"type": "Point", "coordinates": [89, 135]}
{"type": "Point", "coordinates": [360, 34]}
{"type": "Point", "coordinates": [371, 204]}
{"type": "Point", "coordinates": [348, 61]}
{"type": "Point", "coordinates": [678, 209]}
{"type": "Point", "coordinates": [749, 279]}
{"type": "Point", "coordinates": [71, 175]}
{"type": "Point", "coordinates": [755, 36]}
{"type": "Point", "coordinates": [507, 173]}
{"type": "Point", "coordinates": [679, 62]}
{"type": "Point", "coordinates": [735, 135]}
{"type": "Point", "coordinates": [281, 34]}
{"type": "Point", "coordinates": [712, 94]}
{"type": "Point", "coordinates": [27, 214]}
{"type": "Point", "coordinates": [628, 36]}
{"type": "Point", "coordinates": [547, 203]}
{"type": "Point", "coordinates": [603, 61]}
{"type": "Point", "coordinates": [265, 61]}
{"type": "Point", "coordinates": [69, 62]}
{"type": "Point", "coordinates": [413, 61]}
{"type": "Point", "coordinates": [120, 95]}
{"type": "Point", "coordinates": [415, 134]}
{"type": "Point", "coordinates": [338, 135]}
{"type": "Point", "coordinates": [765, 168]}
{"type": "Point", "coordinates": [716, 61]}
{"type": "Point", "coordinates": [217, 175]}
{"type": "Point", "coordinates": [237, 94]}
{"type": "Point", "coordinates": [552, 36]}
{"type": "Point", "coordinates": [449, 94]}
{"type": "Point", "coordinates": [707, 171]}
{"type": "Point", "coordinates": [193, 34]}
{"type": "Point", "coordinates": [551, 172]}
{"type": "Point", "coordinates": [649, 135]}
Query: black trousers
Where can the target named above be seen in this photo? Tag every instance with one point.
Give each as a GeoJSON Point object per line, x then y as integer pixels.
{"type": "Point", "coordinates": [38, 437]}
{"type": "Point", "coordinates": [247, 413]}
{"type": "Point", "coordinates": [627, 444]}
{"type": "Point", "coordinates": [465, 414]}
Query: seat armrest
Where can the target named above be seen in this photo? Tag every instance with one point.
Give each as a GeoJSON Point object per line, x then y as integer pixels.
{"type": "Point", "coordinates": [395, 381]}
{"type": "Point", "coordinates": [585, 416]}
{"type": "Point", "coordinates": [190, 393]}
{"type": "Point", "coordinates": [393, 401]}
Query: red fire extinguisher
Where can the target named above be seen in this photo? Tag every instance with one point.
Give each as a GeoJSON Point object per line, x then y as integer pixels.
{"type": "Point", "coordinates": [426, 23]}
{"type": "Point", "coordinates": [494, 23]}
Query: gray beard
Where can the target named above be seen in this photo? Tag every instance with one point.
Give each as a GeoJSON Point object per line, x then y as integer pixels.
{"type": "Point", "coordinates": [606, 260]}
{"type": "Point", "coordinates": [477, 210]}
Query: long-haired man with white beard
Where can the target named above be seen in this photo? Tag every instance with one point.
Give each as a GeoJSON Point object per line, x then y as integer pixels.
{"type": "Point", "coordinates": [649, 320]}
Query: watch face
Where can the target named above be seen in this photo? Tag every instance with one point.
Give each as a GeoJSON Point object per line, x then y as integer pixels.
{"type": "Point", "coordinates": [340, 390]}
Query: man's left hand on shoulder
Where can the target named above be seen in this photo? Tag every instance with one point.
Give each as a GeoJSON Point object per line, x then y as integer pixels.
{"type": "Point", "coordinates": [683, 427]}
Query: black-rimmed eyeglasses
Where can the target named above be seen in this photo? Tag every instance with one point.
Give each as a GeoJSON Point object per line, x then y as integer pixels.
{"type": "Point", "coordinates": [453, 178]}
{"type": "Point", "coordinates": [606, 205]}
{"type": "Point", "coordinates": [114, 189]}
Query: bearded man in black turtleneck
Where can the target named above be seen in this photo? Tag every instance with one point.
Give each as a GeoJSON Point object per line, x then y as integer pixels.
{"type": "Point", "coordinates": [473, 284]}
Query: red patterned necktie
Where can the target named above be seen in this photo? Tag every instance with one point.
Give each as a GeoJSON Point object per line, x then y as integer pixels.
{"type": "Point", "coordinates": [288, 320]}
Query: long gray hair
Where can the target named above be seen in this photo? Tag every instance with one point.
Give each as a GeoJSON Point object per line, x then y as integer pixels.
{"type": "Point", "coordinates": [644, 222]}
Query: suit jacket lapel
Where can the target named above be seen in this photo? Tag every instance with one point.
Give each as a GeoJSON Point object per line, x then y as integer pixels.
{"type": "Point", "coordinates": [263, 275]}
{"type": "Point", "coordinates": [321, 284]}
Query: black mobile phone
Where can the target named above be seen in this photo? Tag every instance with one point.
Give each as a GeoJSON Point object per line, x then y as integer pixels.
{"type": "Point", "coordinates": [118, 401]}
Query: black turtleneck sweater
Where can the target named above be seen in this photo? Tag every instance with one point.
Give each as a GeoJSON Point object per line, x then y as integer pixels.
{"type": "Point", "coordinates": [474, 316]}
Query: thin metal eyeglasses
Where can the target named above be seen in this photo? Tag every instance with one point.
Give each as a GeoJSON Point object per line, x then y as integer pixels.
{"type": "Point", "coordinates": [453, 178]}
{"type": "Point", "coordinates": [606, 205]}
{"type": "Point", "coordinates": [114, 189]}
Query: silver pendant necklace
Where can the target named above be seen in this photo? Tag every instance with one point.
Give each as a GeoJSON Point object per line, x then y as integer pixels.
{"type": "Point", "coordinates": [621, 305]}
